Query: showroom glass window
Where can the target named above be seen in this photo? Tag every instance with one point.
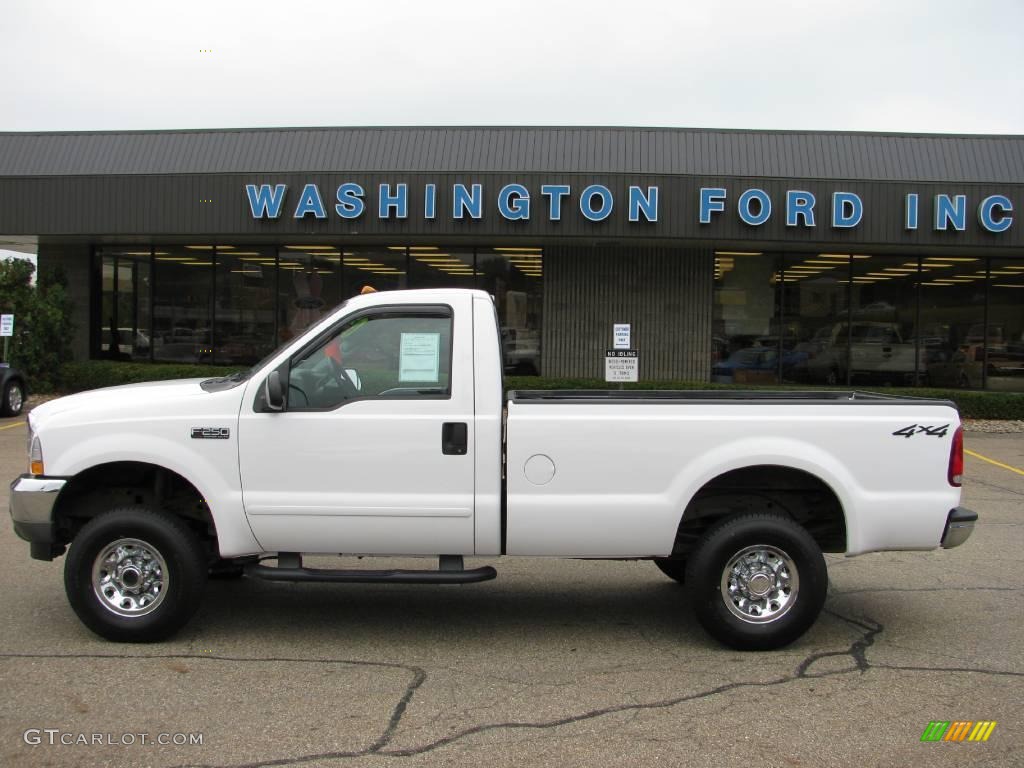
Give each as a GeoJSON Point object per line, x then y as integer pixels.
{"type": "Point", "coordinates": [125, 316]}
{"type": "Point", "coordinates": [815, 292]}
{"type": "Point", "coordinates": [442, 267]}
{"type": "Point", "coordinates": [883, 341]}
{"type": "Point", "coordinates": [382, 268]}
{"type": "Point", "coordinates": [230, 304]}
{"type": "Point", "coordinates": [308, 287]}
{"type": "Point", "coordinates": [1004, 340]}
{"type": "Point", "coordinates": [746, 321]}
{"type": "Point", "coordinates": [183, 303]}
{"type": "Point", "coordinates": [952, 316]}
{"type": "Point", "coordinates": [514, 276]}
{"type": "Point", "coordinates": [244, 321]}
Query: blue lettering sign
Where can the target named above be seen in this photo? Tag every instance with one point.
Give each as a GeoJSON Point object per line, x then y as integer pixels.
{"type": "Point", "coordinates": [951, 211]}
{"type": "Point", "coordinates": [310, 202]}
{"type": "Point", "coordinates": [397, 200]}
{"type": "Point", "coordinates": [514, 202]}
{"type": "Point", "coordinates": [647, 204]}
{"type": "Point", "coordinates": [799, 204]}
{"type": "Point", "coordinates": [555, 192]}
{"type": "Point", "coordinates": [764, 210]}
{"type": "Point", "coordinates": [265, 201]}
{"type": "Point", "coordinates": [712, 200]}
{"type": "Point", "coordinates": [911, 217]}
{"type": "Point", "coordinates": [350, 203]}
{"type": "Point", "coordinates": [464, 201]}
{"type": "Point", "coordinates": [989, 213]}
{"type": "Point", "coordinates": [597, 202]}
{"type": "Point", "coordinates": [587, 202]}
{"type": "Point", "coordinates": [847, 210]}
{"type": "Point", "coordinates": [430, 201]}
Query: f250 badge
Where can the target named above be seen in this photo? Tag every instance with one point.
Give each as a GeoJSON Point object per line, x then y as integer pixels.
{"type": "Point", "coordinates": [919, 429]}
{"type": "Point", "coordinates": [210, 433]}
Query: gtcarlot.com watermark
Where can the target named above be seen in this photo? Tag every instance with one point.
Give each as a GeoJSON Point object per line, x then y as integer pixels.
{"type": "Point", "coordinates": [53, 737]}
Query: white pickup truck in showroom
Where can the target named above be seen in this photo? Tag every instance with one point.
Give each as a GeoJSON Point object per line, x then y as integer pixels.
{"type": "Point", "coordinates": [384, 430]}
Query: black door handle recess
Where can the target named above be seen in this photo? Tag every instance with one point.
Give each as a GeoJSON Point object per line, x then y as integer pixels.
{"type": "Point", "coordinates": [454, 438]}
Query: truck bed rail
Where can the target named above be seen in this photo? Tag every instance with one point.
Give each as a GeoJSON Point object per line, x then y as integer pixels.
{"type": "Point", "coordinates": [705, 396]}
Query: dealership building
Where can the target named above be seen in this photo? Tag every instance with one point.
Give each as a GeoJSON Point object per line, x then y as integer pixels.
{"type": "Point", "coordinates": [735, 256]}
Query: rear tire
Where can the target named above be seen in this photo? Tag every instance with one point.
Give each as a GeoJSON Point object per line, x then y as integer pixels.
{"type": "Point", "coordinates": [671, 567]}
{"type": "Point", "coordinates": [758, 581]}
{"type": "Point", "coordinates": [134, 575]}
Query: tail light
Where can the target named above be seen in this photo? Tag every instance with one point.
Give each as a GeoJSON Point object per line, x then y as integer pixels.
{"type": "Point", "coordinates": [956, 458]}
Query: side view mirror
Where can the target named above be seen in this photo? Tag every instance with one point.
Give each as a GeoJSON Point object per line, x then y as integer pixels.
{"type": "Point", "coordinates": [273, 391]}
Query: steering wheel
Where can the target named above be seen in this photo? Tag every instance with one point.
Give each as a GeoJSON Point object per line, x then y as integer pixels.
{"type": "Point", "coordinates": [348, 388]}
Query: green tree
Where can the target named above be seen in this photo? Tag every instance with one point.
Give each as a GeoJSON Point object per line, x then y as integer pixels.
{"type": "Point", "coordinates": [42, 321]}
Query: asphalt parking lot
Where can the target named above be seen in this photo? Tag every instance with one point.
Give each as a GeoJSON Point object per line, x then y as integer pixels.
{"type": "Point", "coordinates": [558, 663]}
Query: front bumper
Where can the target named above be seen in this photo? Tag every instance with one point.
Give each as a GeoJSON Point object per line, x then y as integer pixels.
{"type": "Point", "coordinates": [32, 500]}
{"type": "Point", "coordinates": [959, 526]}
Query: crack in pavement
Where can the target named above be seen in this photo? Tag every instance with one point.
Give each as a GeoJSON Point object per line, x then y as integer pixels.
{"type": "Point", "coordinates": [419, 677]}
{"type": "Point", "coordinates": [978, 670]}
{"type": "Point", "coordinates": [857, 651]}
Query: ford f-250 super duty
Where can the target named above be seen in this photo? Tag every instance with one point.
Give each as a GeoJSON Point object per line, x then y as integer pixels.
{"type": "Point", "coordinates": [383, 430]}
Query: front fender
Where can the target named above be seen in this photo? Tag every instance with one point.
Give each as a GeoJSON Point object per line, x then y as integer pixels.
{"type": "Point", "coordinates": [212, 469]}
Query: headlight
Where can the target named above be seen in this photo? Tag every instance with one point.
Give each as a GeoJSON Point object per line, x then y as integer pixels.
{"type": "Point", "coordinates": [35, 453]}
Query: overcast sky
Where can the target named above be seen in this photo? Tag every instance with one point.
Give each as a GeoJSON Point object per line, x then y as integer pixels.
{"type": "Point", "coordinates": [919, 65]}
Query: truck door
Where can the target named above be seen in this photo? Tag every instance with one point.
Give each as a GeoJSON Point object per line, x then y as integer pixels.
{"type": "Point", "coordinates": [373, 452]}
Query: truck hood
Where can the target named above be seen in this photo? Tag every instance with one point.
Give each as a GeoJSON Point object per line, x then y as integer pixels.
{"type": "Point", "coordinates": [121, 400]}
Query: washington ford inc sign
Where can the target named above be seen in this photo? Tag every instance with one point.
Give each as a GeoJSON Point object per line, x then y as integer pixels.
{"type": "Point", "coordinates": [596, 202]}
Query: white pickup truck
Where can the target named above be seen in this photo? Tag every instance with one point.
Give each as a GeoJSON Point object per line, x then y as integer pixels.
{"type": "Point", "coordinates": [383, 430]}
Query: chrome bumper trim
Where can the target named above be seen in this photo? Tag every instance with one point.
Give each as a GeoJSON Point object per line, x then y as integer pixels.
{"type": "Point", "coordinates": [959, 527]}
{"type": "Point", "coordinates": [32, 498]}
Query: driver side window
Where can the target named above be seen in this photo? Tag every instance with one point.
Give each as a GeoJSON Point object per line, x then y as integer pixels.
{"type": "Point", "coordinates": [389, 354]}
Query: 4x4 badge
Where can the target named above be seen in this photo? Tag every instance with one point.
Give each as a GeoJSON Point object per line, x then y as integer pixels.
{"type": "Point", "coordinates": [918, 429]}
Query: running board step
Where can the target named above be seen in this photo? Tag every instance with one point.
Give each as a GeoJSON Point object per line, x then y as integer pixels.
{"type": "Point", "coordinates": [292, 570]}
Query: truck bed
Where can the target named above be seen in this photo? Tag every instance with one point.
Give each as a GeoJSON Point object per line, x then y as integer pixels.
{"type": "Point", "coordinates": [610, 473]}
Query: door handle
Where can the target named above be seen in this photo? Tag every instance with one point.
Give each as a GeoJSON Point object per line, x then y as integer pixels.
{"type": "Point", "coordinates": [454, 438]}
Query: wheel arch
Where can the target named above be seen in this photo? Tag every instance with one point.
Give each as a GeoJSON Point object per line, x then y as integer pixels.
{"type": "Point", "coordinates": [18, 377]}
{"type": "Point", "coordinates": [799, 492]}
{"type": "Point", "coordinates": [96, 489]}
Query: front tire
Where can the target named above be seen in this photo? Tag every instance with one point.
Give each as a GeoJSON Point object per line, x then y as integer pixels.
{"type": "Point", "coordinates": [134, 575]}
{"type": "Point", "coordinates": [758, 581]}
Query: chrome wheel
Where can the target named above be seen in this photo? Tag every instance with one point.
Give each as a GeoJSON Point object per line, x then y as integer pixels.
{"type": "Point", "coordinates": [129, 577]}
{"type": "Point", "coordinates": [15, 399]}
{"type": "Point", "coordinates": [760, 584]}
